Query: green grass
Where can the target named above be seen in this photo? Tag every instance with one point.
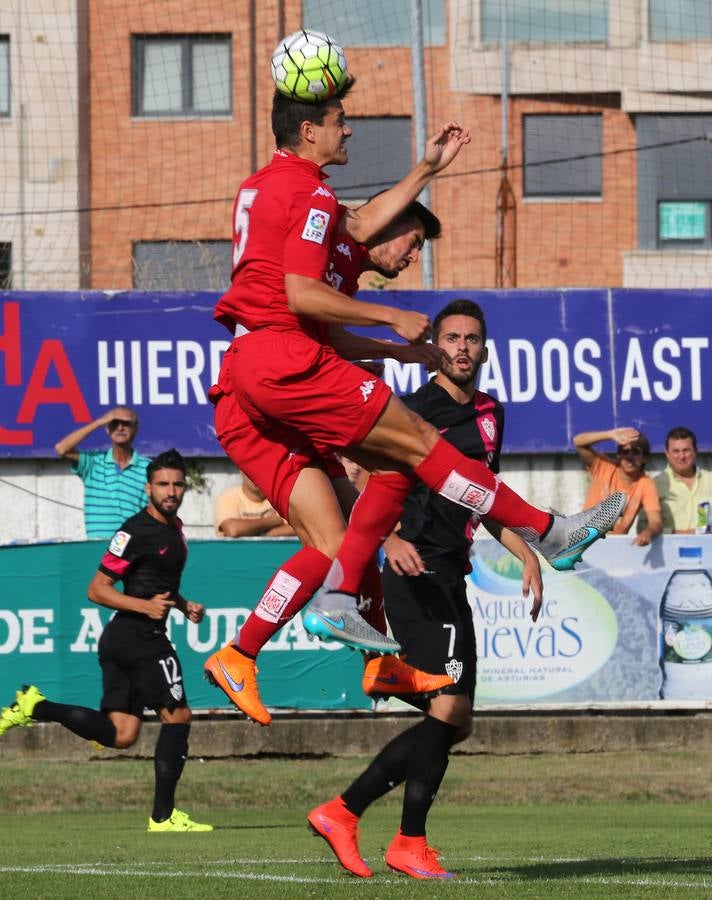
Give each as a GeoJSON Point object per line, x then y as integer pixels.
{"type": "Point", "coordinates": [555, 826]}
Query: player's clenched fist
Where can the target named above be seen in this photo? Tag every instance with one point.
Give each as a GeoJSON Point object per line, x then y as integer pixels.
{"type": "Point", "coordinates": [413, 326]}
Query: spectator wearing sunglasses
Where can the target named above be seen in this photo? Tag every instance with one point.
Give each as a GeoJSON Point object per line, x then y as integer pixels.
{"type": "Point", "coordinates": [114, 479]}
{"type": "Point", "coordinates": [627, 474]}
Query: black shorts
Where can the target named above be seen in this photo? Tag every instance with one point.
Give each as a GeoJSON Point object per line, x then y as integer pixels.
{"type": "Point", "coordinates": [140, 668]}
{"type": "Point", "coordinates": [432, 621]}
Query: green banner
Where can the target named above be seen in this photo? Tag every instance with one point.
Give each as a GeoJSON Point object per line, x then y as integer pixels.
{"type": "Point", "coordinates": [49, 630]}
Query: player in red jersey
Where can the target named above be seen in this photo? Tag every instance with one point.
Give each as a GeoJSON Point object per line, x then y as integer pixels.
{"type": "Point", "coordinates": [389, 254]}
{"type": "Point", "coordinates": [297, 391]}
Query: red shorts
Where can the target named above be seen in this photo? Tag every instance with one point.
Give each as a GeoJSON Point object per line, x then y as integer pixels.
{"type": "Point", "coordinates": [302, 391]}
{"type": "Point", "coordinates": [272, 465]}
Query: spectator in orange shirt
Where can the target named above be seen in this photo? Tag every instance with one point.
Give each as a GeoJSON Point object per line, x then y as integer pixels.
{"type": "Point", "coordinates": [627, 475]}
{"type": "Point", "coordinates": [243, 511]}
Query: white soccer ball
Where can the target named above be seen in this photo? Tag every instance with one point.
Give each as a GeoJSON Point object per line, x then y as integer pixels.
{"type": "Point", "coordinates": [308, 66]}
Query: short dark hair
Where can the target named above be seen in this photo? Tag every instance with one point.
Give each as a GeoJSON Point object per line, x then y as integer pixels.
{"type": "Point", "coordinates": [288, 114]}
{"type": "Point", "coordinates": [429, 221]}
{"type": "Point", "coordinates": [461, 307]}
{"type": "Point", "coordinates": [681, 434]}
{"type": "Point", "coordinates": [169, 459]}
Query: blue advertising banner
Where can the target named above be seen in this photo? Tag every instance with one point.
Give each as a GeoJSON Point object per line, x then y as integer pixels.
{"type": "Point", "coordinates": [561, 361]}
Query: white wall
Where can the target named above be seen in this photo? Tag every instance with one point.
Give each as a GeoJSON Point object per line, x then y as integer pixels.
{"type": "Point", "coordinates": [42, 501]}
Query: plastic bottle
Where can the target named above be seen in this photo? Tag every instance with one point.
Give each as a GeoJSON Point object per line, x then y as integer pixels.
{"type": "Point", "coordinates": [686, 630]}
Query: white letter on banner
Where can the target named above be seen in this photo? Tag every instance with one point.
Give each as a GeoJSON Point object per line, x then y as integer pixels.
{"type": "Point", "coordinates": [89, 632]}
{"type": "Point", "coordinates": [107, 373]}
{"type": "Point", "coordinates": [136, 374]}
{"type": "Point", "coordinates": [156, 373]}
{"type": "Point", "coordinates": [634, 375]}
{"type": "Point", "coordinates": [13, 631]}
{"type": "Point", "coordinates": [694, 345]}
{"type": "Point", "coordinates": [588, 395]}
{"type": "Point", "coordinates": [522, 393]}
{"type": "Point", "coordinates": [31, 630]}
{"type": "Point", "coordinates": [555, 347]}
{"type": "Point", "coordinates": [491, 379]}
{"type": "Point", "coordinates": [402, 378]}
{"type": "Point", "coordinates": [190, 373]}
{"type": "Point", "coordinates": [215, 639]}
{"type": "Point", "coordinates": [217, 348]}
{"type": "Point", "coordinates": [661, 346]}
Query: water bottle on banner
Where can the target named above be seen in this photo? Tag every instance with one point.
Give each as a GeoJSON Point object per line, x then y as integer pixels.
{"type": "Point", "coordinates": [686, 629]}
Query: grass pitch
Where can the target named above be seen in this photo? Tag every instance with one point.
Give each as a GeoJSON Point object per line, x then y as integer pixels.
{"type": "Point", "coordinates": [629, 825]}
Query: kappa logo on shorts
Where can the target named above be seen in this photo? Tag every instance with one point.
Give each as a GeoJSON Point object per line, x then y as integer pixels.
{"type": "Point", "coordinates": [454, 669]}
{"type": "Point", "coordinates": [367, 389]}
{"type": "Point", "coordinates": [119, 543]}
{"type": "Point", "coordinates": [177, 691]}
{"type": "Point", "coordinates": [316, 226]}
{"type": "Point", "coordinates": [344, 249]}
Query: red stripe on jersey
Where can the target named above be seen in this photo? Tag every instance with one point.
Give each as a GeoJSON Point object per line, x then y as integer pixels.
{"type": "Point", "coordinates": [114, 564]}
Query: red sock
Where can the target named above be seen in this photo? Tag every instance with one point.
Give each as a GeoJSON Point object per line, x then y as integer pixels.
{"type": "Point", "coordinates": [290, 589]}
{"type": "Point", "coordinates": [374, 516]}
{"type": "Point", "coordinates": [371, 591]}
{"type": "Point", "coordinates": [470, 483]}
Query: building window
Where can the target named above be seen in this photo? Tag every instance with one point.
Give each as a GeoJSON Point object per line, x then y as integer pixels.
{"type": "Point", "coordinates": [5, 266]}
{"type": "Point", "coordinates": [4, 75]}
{"type": "Point", "coordinates": [680, 20]}
{"type": "Point", "coordinates": [673, 181]}
{"type": "Point", "coordinates": [562, 156]}
{"type": "Point", "coordinates": [182, 75]}
{"type": "Point", "coordinates": [373, 23]}
{"type": "Point", "coordinates": [181, 265]}
{"type": "Point", "coordinates": [380, 154]}
{"type": "Point", "coordinates": [546, 22]}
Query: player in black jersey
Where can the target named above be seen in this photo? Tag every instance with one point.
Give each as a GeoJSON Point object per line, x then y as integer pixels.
{"type": "Point", "coordinates": [426, 604]}
{"type": "Point", "coordinates": [139, 664]}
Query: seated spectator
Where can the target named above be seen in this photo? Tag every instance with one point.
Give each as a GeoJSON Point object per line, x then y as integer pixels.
{"type": "Point", "coordinates": [114, 479]}
{"type": "Point", "coordinates": [627, 475]}
{"type": "Point", "coordinates": [683, 485]}
{"type": "Point", "coordinates": [244, 511]}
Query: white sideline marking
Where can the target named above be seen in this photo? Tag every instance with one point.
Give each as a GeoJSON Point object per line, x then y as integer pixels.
{"type": "Point", "coordinates": [108, 869]}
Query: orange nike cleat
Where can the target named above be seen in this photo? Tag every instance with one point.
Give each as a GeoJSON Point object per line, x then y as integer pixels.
{"type": "Point", "coordinates": [385, 676]}
{"type": "Point", "coordinates": [339, 828]}
{"type": "Point", "coordinates": [236, 675]}
{"type": "Point", "coordinates": [412, 856]}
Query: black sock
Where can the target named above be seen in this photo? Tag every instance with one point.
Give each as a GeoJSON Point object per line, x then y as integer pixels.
{"type": "Point", "coordinates": [168, 761]}
{"type": "Point", "coordinates": [90, 724]}
{"type": "Point", "coordinates": [387, 771]}
{"type": "Point", "coordinates": [426, 768]}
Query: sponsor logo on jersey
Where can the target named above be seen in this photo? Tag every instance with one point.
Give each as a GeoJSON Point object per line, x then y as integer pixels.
{"type": "Point", "coordinates": [177, 691]}
{"type": "Point", "coordinates": [323, 192]}
{"type": "Point", "coordinates": [281, 153]}
{"type": "Point", "coordinates": [454, 669]}
{"type": "Point", "coordinates": [489, 426]}
{"type": "Point", "coordinates": [344, 249]}
{"type": "Point", "coordinates": [119, 542]}
{"type": "Point", "coordinates": [367, 389]}
{"type": "Point", "coordinates": [316, 225]}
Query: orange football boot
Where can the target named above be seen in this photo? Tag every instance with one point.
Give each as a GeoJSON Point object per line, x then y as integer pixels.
{"type": "Point", "coordinates": [412, 856]}
{"type": "Point", "coordinates": [339, 828]}
{"type": "Point", "coordinates": [236, 675]}
{"type": "Point", "coordinates": [386, 676]}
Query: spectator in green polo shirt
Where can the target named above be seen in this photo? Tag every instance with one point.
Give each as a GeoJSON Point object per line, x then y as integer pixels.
{"type": "Point", "coordinates": [683, 486]}
{"type": "Point", "coordinates": [114, 479]}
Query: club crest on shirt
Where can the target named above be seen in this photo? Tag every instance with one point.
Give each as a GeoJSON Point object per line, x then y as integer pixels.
{"type": "Point", "coordinates": [316, 225]}
{"type": "Point", "coordinates": [177, 691]}
{"type": "Point", "coordinates": [119, 542]}
{"type": "Point", "coordinates": [489, 426]}
{"type": "Point", "coordinates": [344, 249]}
{"type": "Point", "coordinates": [454, 669]}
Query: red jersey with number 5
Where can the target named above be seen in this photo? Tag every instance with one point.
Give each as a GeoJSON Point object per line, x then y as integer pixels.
{"type": "Point", "coordinates": [284, 222]}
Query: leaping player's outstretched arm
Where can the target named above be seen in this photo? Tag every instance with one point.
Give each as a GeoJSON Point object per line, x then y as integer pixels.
{"type": "Point", "coordinates": [441, 149]}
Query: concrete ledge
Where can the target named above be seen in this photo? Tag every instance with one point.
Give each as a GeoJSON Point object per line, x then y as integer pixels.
{"type": "Point", "coordinates": [230, 737]}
